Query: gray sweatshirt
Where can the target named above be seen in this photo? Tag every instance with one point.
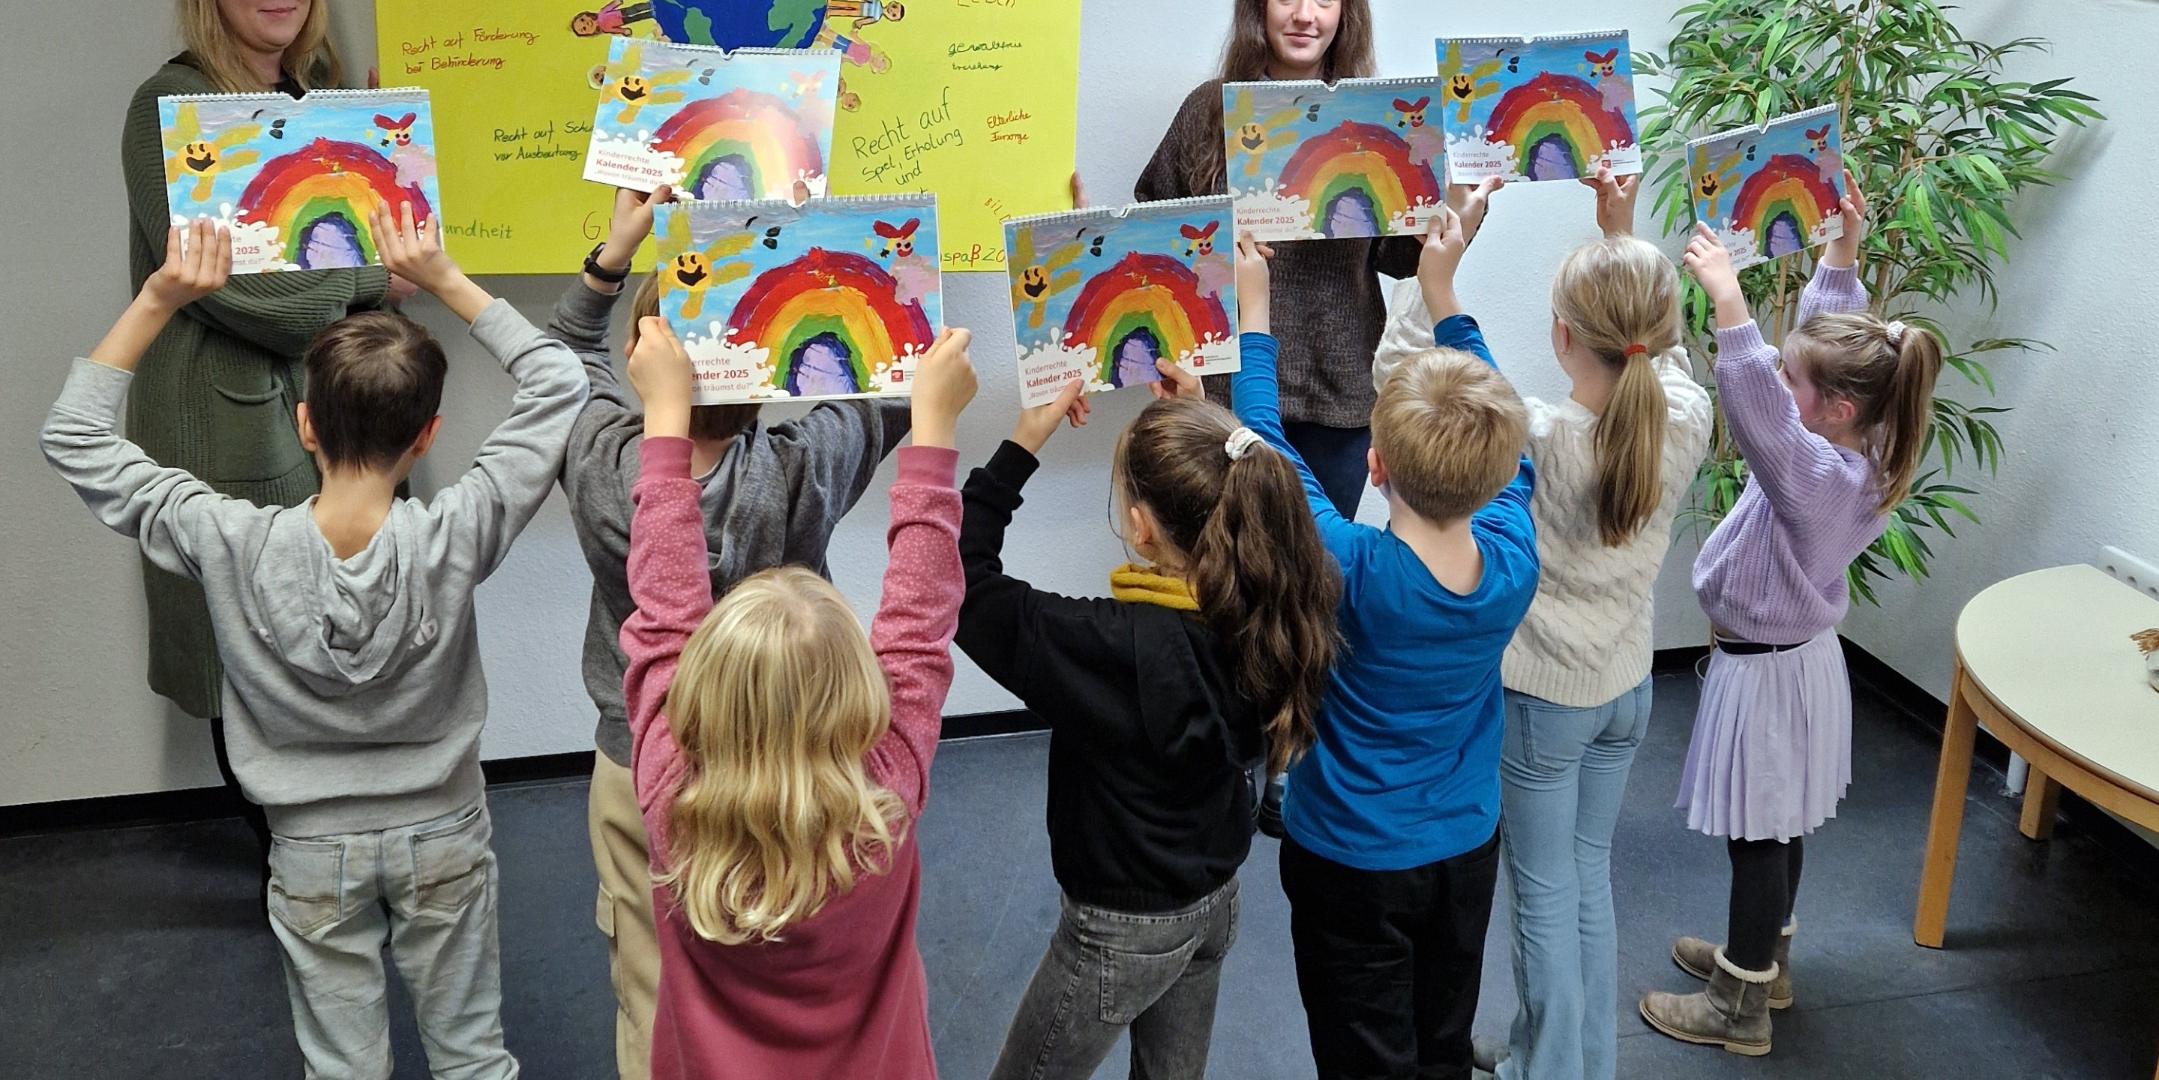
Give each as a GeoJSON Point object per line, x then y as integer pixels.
{"type": "Point", "coordinates": [772, 501]}
{"type": "Point", "coordinates": [353, 695]}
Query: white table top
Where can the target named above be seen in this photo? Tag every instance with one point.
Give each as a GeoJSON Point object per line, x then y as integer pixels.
{"type": "Point", "coordinates": [2052, 647]}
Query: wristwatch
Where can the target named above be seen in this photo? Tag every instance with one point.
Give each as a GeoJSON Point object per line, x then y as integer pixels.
{"type": "Point", "coordinates": [601, 273]}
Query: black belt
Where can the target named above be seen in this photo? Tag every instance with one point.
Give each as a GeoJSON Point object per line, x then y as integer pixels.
{"type": "Point", "coordinates": [1750, 648]}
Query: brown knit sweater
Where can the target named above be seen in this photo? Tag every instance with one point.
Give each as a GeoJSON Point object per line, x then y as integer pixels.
{"type": "Point", "coordinates": [1329, 306]}
{"type": "Point", "coordinates": [216, 391]}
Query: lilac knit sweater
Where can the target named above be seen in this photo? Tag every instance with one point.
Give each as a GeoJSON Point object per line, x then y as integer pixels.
{"type": "Point", "coordinates": [1773, 571]}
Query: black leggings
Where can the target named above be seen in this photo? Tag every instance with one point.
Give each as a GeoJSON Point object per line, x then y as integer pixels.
{"type": "Point", "coordinates": [1765, 886]}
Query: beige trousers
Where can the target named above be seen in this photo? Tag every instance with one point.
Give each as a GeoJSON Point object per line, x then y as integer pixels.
{"type": "Point", "coordinates": [624, 911]}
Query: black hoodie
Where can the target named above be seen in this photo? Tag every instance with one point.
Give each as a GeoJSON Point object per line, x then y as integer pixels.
{"type": "Point", "coordinates": [1150, 809]}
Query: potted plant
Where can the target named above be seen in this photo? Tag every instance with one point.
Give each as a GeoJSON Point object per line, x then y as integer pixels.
{"type": "Point", "coordinates": [1941, 142]}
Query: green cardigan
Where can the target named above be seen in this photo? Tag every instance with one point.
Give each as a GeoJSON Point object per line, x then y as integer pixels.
{"type": "Point", "coordinates": [216, 391]}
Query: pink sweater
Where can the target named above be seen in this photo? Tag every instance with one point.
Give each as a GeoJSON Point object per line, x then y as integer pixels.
{"type": "Point", "coordinates": [844, 994]}
{"type": "Point", "coordinates": [1773, 571]}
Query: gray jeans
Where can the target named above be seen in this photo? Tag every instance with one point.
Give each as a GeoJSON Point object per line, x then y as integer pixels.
{"type": "Point", "coordinates": [429, 890]}
{"type": "Point", "coordinates": [1109, 970]}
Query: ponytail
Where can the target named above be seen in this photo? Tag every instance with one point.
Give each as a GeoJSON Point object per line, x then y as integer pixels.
{"type": "Point", "coordinates": [1887, 372]}
{"type": "Point", "coordinates": [1265, 585]}
{"type": "Point", "coordinates": [1907, 414]}
{"type": "Point", "coordinates": [1630, 452]}
{"type": "Point", "coordinates": [1619, 298]}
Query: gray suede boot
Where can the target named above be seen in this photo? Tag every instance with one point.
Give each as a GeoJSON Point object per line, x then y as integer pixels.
{"type": "Point", "coordinates": [1733, 1013]}
{"type": "Point", "coordinates": [1698, 958]}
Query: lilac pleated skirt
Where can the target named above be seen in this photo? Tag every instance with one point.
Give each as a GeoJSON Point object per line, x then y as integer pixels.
{"type": "Point", "coordinates": [1772, 748]}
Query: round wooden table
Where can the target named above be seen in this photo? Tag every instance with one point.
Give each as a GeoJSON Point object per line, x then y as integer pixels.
{"type": "Point", "coordinates": [2045, 662]}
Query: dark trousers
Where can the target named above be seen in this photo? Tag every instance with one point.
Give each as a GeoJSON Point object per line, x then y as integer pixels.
{"type": "Point", "coordinates": [248, 811]}
{"type": "Point", "coordinates": [1765, 886]}
{"type": "Point", "coordinates": [1389, 961]}
{"type": "Point", "coordinates": [1336, 458]}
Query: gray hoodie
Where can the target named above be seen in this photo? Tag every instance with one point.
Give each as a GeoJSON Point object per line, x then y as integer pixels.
{"type": "Point", "coordinates": [353, 694]}
{"type": "Point", "coordinates": [772, 501]}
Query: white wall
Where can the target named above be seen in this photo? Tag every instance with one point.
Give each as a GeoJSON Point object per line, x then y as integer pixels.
{"type": "Point", "coordinates": [75, 720]}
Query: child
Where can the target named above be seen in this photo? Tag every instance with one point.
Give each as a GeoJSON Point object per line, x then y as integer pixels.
{"type": "Point", "coordinates": [1393, 817]}
{"type": "Point", "coordinates": [614, 17]}
{"type": "Point", "coordinates": [353, 692]}
{"type": "Point", "coordinates": [771, 497]}
{"type": "Point", "coordinates": [1614, 460]}
{"type": "Point", "coordinates": [781, 787]}
{"type": "Point", "coordinates": [1204, 662]}
{"type": "Point", "coordinates": [1831, 439]}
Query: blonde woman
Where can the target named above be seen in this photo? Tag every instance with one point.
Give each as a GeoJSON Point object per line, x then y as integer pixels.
{"type": "Point", "coordinates": [781, 760]}
{"type": "Point", "coordinates": [218, 388]}
{"type": "Point", "coordinates": [1614, 460]}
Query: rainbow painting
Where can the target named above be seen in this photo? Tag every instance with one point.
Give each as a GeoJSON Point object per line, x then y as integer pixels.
{"type": "Point", "coordinates": [1307, 161]}
{"type": "Point", "coordinates": [720, 126]}
{"type": "Point", "coordinates": [835, 298]}
{"type": "Point", "coordinates": [1102, 295]}
{"type": "Point", "coordinates": [296, 180]}
{"type": "Point", "coordinates": [1538, 108]}
{"type": "Point", "coordinates": [1773, 190]}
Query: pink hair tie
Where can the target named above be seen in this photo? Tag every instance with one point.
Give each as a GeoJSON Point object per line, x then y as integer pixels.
{"type": "Point", "coordinates": [1637, 350]}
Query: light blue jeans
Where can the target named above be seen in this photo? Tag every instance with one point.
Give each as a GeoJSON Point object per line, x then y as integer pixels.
{"type": "Point", "coordinates": [428, 890]}
{"type": "Point", "coordinates": [1563, 772]}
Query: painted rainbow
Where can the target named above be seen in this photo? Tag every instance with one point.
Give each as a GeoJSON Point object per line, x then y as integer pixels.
{"type": "Point", "coordinates": [1558, 126]}
{"type": "Point", "coordinates": [320, 196]}
{"type": "Point", "coordinates": [1145, 301]}
{"type": "Point", "coordinates": [753, 145]}
{"type": "Point", "coordinates": [835, 308]}
{"type": "Point", "coordinates": [1358, 178]}
{"type": "Point", "coordinates": [1783, 202]}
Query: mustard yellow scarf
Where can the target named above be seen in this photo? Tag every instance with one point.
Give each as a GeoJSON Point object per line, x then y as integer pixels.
{"type": "Point", "coordinates": [1136, 584]}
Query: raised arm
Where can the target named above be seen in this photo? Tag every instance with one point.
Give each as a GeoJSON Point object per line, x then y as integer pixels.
{"type": "Point", "coordinates": [1835, 288]}
{"type": "Point", "coordinates": [517, 465]}
{"type": "Point", "coordinates": [672, 589]}
{"type": "Point", "coordinates": [912, 632]}
{"type": "Point", "coordinates": [280, 312]}
{"type": "Point", "coordinates": [1789, 461]}
{"type": "Point", "coordinates": [164, 509]}
{"type": "Point", "coordinates": [1002, 616]}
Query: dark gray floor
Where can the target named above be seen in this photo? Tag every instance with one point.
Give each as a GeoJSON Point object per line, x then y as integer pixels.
{"type": "Point", "coordinates": [142, 952]}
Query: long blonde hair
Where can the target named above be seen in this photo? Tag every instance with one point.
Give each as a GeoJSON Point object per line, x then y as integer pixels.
{"type": "Point", "coordinates": [775, 701]}
{"type": "Point", "coordinates": [311, 60]}
{"type": "Point", "coordinates": [1887, 372]}
{"type": "Point", "coordinates": [1619, 298]}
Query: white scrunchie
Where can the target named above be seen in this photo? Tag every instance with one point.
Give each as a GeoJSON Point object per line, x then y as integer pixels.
{"type": "Point", "coordinates": [1896, 334]}
{"type": "Point", "coordinates": [1241, 442]}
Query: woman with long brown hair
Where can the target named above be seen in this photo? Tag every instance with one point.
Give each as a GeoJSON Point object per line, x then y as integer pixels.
{"type": "Point", "coordinates": [1330, 307]}
{"type": "Point", "coordinates": [217, 391]}
{"type": "Point", "coordinates": [1201, 663]}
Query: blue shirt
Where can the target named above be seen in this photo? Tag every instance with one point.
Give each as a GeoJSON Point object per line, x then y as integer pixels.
{"type": "Point", "coordinates": [1405, 771]}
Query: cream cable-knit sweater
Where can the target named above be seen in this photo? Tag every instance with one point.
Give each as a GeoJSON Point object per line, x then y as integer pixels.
{"type": "Point", "coordinates": [1586, 639]}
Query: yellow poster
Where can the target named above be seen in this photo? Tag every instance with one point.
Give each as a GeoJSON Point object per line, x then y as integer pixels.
{"type": "Point", "coordinates": [513, 105]}
{"type": "Point", "coordinates": [974, 100]}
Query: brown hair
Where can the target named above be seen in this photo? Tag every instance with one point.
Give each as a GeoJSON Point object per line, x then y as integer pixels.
{"type": "Point", "coordinates": [1265, 586]}
{"type": "Point", "coordinates": [374, 381]}
{"type": "Point", "coordinates": [1619, 297]}
{"type": "Point", "coordinates": [1887, 371]}
{"type": "Point", "coordinates": [311, 60]}
{"type": "Point", "coordinates": [709, 422]}
{"type": "Point", "coordinates": [1245, 58]}
{"type": "Point", "coordinates": [1450, 432]}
